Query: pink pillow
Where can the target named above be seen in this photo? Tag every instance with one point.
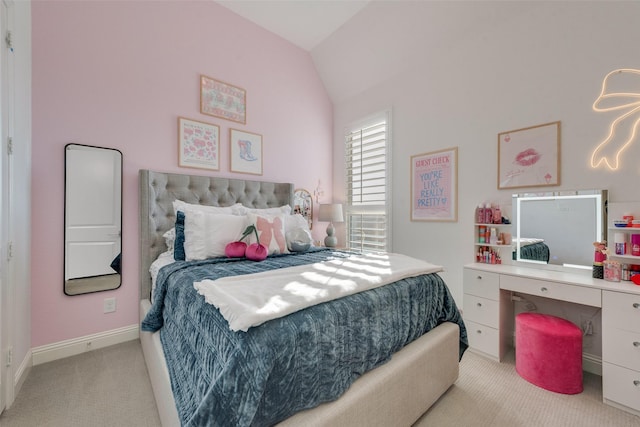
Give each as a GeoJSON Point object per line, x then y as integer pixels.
{"type": "Point", "coordinates": [271, 232]}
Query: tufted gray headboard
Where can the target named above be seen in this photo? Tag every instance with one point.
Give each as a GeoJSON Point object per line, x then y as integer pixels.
{"type": "Point", "coordinates": [158, 190]}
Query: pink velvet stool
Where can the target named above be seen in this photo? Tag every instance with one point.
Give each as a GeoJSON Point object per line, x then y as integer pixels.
{"type": "Point", "coordinates": [549, 352]}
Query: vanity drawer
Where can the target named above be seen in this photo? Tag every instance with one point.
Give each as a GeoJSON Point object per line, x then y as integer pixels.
{"type": "Point", "coordinates": [621, 385]}
{"type": "Point", "coordinates": [483, 338]}
{"type": "Point", "coordinates": [481, 310]}
{"type": "Point", "coordinates": [621, 310]}
{"type": "Point", "coordinates": [559, 291]}
{"type": "Point", "coordinates": [621, 347]}
{"type": "Point", "coordinates": [481, 283]}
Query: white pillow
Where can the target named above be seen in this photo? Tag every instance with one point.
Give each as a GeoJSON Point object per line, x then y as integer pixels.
{"type": "Point", "coordinates": [170, 238]}
{"type": "Point", "coordinates": [239, 209]}
{"type": "Point", "coordinates": [207, 234]}
{"type": "Point", "coordinates": [296, 223]}
{"type": "Point", "coordinates": [270, 230]}
{"type": "Point", "coordinates": [298, 240]}
{"type": "Point", "coordinates": [179, 205]}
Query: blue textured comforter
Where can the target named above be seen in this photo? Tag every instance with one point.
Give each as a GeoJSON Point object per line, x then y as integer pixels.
{"type": "Point", "coordinates": [536, 251]}
{"type": "Point", "coordinates": [260, 377]}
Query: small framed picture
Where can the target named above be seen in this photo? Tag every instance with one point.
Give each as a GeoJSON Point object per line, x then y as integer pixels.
{"type": "Point", "coordinates": [220, 99]}
{"type": "Point", "coordinates": [246, 152]}
{"type": "Point", "coordinates": [529, 157]}
{"type": "Point", "coordinates": [198, 144]}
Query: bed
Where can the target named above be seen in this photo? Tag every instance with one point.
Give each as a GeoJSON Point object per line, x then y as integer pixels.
{"type": "Point", "coordinates": [392, 391]}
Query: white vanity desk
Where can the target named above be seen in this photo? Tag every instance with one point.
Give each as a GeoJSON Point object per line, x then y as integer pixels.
{"type": "Point", "coordinates": [489, 316]}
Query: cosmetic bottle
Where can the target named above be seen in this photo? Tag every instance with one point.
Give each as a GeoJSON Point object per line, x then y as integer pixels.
{"type": "Point", "coordinates": [497, 215]}
{"type": "Point", "coordinates": [625, 272]}
{"type": "Point", "coordinates": [621, 243]}
{"type": "Point", "coordinates": [482, 232]}
{"type": "Point", "coordinates": [635, 244]}
{"type": "Point", "coordinates": [488, 214]}
{"type": "Point", "coordinates": [480, 214]}
{"type": "Point", "coordinates": [493, 236]}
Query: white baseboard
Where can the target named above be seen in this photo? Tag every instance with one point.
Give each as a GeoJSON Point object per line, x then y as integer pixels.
{"type": "Point", "coordinates": [591, 363]}
{"type": "Point", "coordinates": [72, 347]}
{"type": "Point", "coordinates": [22, 372]}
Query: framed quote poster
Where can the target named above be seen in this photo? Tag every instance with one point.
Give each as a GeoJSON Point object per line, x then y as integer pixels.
{"type": "Point", "coordinates": [246, 152]}
{"type": "Point", "coordinates": [434, 186]}
{"type": "Point", "coordinates": [220, 99]}
{"type": "Point", "coordinates": [529, 157]}
{"type": "Point", "coordinates": [198, 144]}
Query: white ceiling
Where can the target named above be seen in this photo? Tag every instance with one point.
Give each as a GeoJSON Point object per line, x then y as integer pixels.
{"type": "Point", "coordinates": [305, 23]}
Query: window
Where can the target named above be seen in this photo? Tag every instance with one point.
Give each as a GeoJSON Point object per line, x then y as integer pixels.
{"type": "Point", "coordinates": [368, 192]}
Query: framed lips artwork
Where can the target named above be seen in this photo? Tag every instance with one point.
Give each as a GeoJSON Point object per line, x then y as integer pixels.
{"type": "Point", "coordinates": [529, 157]}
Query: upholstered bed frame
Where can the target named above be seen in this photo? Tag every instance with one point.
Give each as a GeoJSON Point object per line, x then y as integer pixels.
{"type": "Point", "coordinates": [396, 393]}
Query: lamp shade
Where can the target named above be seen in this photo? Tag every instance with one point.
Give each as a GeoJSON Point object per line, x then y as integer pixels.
{"type": "Point", "coordinates": [330, 212]}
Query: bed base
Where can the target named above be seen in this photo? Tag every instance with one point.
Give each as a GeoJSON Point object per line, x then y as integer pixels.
{"type": "Point", "coordinates": [396, 393]}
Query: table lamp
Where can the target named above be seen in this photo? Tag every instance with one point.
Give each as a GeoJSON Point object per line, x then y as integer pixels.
{"type": "Point", "coordinates": [332, 213]}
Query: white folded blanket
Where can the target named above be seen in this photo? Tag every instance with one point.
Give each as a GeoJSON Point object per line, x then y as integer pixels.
{"type": "Point", "coordinates": [252, 299]}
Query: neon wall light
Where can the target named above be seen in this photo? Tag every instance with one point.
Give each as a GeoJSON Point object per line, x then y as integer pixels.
{"type": "Point", "coordinates": [623, 129]}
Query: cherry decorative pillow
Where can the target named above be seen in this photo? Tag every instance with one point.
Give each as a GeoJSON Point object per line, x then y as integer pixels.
{"type": "Point", "coordinates": [270, 231]}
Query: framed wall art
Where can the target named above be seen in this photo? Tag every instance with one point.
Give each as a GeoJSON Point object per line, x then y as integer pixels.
{"type": "Point", "coordinates": [529, 157]}
{"type": "Point", "coordinates": [246, 152]}
{"type": "Point", "coordinates": [220, 99]}
{"type": "Point", "coordinates": [434, 186]}
{"type": "Point", "coordinates": [198, 144]}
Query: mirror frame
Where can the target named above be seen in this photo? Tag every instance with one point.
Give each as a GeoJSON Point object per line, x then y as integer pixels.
{"type": "Point", "coordinates": [99, 282]}
{"type": "Point", "coordinates": [601, 196]}
{"type": "Point", "coordinates": [300, 194]}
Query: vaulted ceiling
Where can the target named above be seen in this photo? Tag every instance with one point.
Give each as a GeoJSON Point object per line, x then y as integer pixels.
{"type": "Point", "coordinates": [305, 23]}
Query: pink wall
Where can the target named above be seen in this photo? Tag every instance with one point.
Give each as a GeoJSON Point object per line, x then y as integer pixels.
{"type": "Point", "coordinates": [118, 74]}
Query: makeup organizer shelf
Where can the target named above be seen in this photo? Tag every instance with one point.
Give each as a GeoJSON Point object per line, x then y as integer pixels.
{"type": "Point", "coordinates": [616, 212]}
{"type": "Point", "coordinates": [628, 231]}
{"type": "Point", "coordinates": [485, 250]}
{"type": "Point", "coordinates": [492, 246]}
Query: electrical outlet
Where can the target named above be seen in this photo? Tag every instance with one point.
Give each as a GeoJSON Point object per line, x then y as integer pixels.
{"type": "Point", "coordinates": [589, 328]}
{"type": "Point", "coordinates": [109, 305]}
{"type": "Point", "coordinates": [586, 324]}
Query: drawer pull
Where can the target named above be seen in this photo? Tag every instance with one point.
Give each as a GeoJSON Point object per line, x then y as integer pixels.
{"type": "Point", "coordinates": [636, 383]}
{"type": "Point", "coordinates": [543, 289]}
{"type": "Point", "coordinates": [636, 305]}
{"type": "Point", "coordinates": [479, 304]}
{"type": "Point", "coordinates": [636, 344]}
{"type": "Point", "coordinates": [478, 331]}
{"type": "Point", "coordinates": [479, 277]}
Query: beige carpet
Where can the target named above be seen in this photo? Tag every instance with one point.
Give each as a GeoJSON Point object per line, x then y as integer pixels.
{"type": "Point", "coordinates": [110, 387]}
{"type": "Point", "coordinates": [106, 387]}
{"type": "Point", "coordinates": [492, 394]}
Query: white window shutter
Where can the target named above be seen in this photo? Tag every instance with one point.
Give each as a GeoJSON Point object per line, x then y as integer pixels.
{"type": "Point", "coordinates": [368, 195]}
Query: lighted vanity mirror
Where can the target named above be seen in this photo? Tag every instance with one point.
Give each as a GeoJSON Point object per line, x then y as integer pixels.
{"type": "Point", "coordinates": [559, 228]}
{"type": "Point", "coordinates": [92, 219]}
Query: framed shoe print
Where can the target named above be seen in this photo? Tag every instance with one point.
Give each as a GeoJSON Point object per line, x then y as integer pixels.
{"type": "Point", "coordinates": [246, 152]}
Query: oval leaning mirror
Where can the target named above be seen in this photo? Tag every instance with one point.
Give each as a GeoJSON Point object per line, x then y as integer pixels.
{"type": "Point", "coordinates": [303, 204]}
{"type": "Point", "coordinates": [92, 219]}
